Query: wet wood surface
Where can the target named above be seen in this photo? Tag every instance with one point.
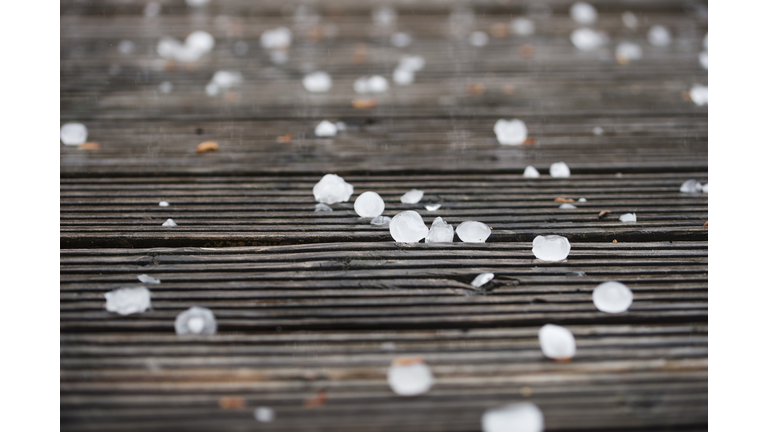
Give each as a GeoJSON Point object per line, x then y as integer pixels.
{"type": "Point", "coordinates": [324, 301]}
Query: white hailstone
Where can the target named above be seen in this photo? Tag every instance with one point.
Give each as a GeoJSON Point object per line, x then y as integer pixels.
{"type": "Point", "coordinates": [369, 205]}
{"type": "Point", "coordinates": [557, 342]}
{"type": "Point", "coordinates": [264, 414]}
{"type": "Point", "coordinates": [322, 208]}
{"type": "Point", "coordinates": [567, 206]}
{"type": "Point", "coordinates": [325, 129]}
{"type": "Point", "coordinates": [332, 189]}
{"type": "Point", "coordinates": [478, 39]}
{"type": "Point", "coordinates": [126, 301]}
{"type": "Point", "coordinates": [432, 207]}
{"type": "Point", "coordinates": [531, 172]}
{"type": "Point", "coordinates": [691, 186]}
{"type": "Point", "coordinates": [195, 320]}
{"type": "Point", "coordinates": [317, 82]}
{"type": "Point", "coordinates": [384, 16]}
{"type": "Point", "coordinates": [583, 13]}
{"type": "Point", "coordinates": [412, 196]}
{"type": "Point", "coordinates": [401, 39]}
{"type": "Point", "coordinates": [582, 200]}
{"type": "Point", "coordinates": [197, 3]}
{"type": "Point", "coordinates": [169, 223]}
{"type": "Point", "coordinates": [147, 279]}
{"type": "Point", "coordinates": [168, 47]}
{"type": "Point", "coordinates": [165, 87]}
{"type": "Point", "coordinates": [73, 133]}
{"type": "Point", "coordinates": [211, 89]}
{"type": "Point", "coordinates": [551, 248]}
{"type": "Point", "coordinates": [704, 59]}
{"type": "Point", "coordinates": [200, 41]}
{"type": "Point", "coordinates": [612, 297]}
{"type": "Point", "coordinates": [522, 26]}
{"type": "Point", "coordinates": [373, 84]}
{"type": "Point", "coordinates": [659, 36]}
{"type": "Point", "coordinates": [163, 204]}
{"type": "Point", "coordinates": [482, 279]}
{"type": "Point", "coordinates": [241, 48]}
{"type": "Point", "coordinates": [586, 39]}
{"type": "Point", "coordinates": [409, 379]}
{"type": "Point", "coordinates": [705, 188]}
{"type": "Point", "coordinates": [341, 126]}
{"type": "Point", "coordinates": [278, 57]}
{"type": "Point", "coordinates": [403, 76]}
{"type": "Point", "coordinates": [517, 417]}
{"type": "Point", "coordinates": [408, 227]}
{"type": "Point", "coordinates": [510, 132]}
{"type": "Point", "coordinates": [411, 62]}
{"type": "Point", "coordinates": [439, 232]}
{"type": "Point", "coordinates": [700, 94]}
{"type": "Point", "coordinates": [152, 9]}
{"type": "Point", "coordinates": [597, 130]}
{"type": "Point", "coordinates": [628, 217]}
{"type": "Point", "coordinates": [705, 41]}
{"type": "Point", "coordinates": [473, 232]}
{"type": "Point", "coordinates": [629, 19]}
{"type": "Point", "coordinates": [627, 51]}
{"type": "Point", "coordinates": [126, 47]}
{"type": "Point", "coordinates": [560, 170]}
{"type": "Point", "coordinates": [276, 38]}
{"type": "Point", "coordinates": [381, 220]}
{"type": "Point", "coordinates": [226, 79]}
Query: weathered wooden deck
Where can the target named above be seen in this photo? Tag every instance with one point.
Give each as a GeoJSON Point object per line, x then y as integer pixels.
{"type": "Point", "coordinates": [311, 301]}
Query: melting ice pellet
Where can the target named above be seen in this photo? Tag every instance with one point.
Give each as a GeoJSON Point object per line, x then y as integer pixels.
{"type": "Point", "coordinates": [126, 301]}
{"type": "Point", "coordinates": [408, 227]}
{"type": "Point", "coordinates": [557, 342]}
{"type": "Point", "coordinates": [551, 248]}
{"type": "Point", "coordinates": [473, 232]}
{"type": "Point", "coordinates": [612, 297]}
{"type": "Point", "coordinates": [195, 320]}
{"type": "Point", "coordinates": [332, 189]}
{"type": "Point", "coordinates": [369, 205]}
{"type": "Point", "coordinates": [439, 232]}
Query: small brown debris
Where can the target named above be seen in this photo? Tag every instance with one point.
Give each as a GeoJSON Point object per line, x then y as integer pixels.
{"type": "Point", "coordinates": [526, 391]}
{"type": "Point", "coordinates": [190, 67]}
{"type": "Point", "coordinates": [499, 30]}
{"type": "Point", "coordinates": [529, 141]}
{"type": "Point", "coordinates": [231, 402]}
{"type": "Point", "coordinates": [476, 89]}
{"type": "Point", "coordinates": [231, 96]}
{"type": "Point", "coordinates": [615, 241]}
{"type": "Point", "coordinates": [315, 33]}
{"type": "Point", "coordinates": [364, 103]}
{"type": "Point", "coordinates": [508, 89]}
{"type": "Point", "coordinates": [169, 65]}
{"type": "Point", "coordinates": [405, 361]}
{"type": "Point", "coordinates": [360, 54]}
{"type": "Point", "coordinates": [88, 146]}
{"type": "Point", "coordinates": [317, 400]}
{"type": "Point", "coordinates": [207, 146]}
{"type": "Point", "coordinates": [604, 214]}
{"type": "Point", "coordinates": [564, 200]}
{"type": "Point", "coordinates": [527, 50]}
{"type": "Point", "coordinates": [686, 96]}
{"type": "Point", "coordinates": [284, 138]}
{"type": "Point", "coordinates": [706, 223]}
{"type": "Point", "coordinates": [622, 59]}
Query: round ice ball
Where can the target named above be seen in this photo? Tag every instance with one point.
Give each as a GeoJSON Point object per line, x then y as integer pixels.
{"type": "Point", "coordinates": [195, 320]}
{"type": "Point", "coordinates": [612, 297]}
{"type": "Point", "coordinates": [557, 342]}
{"type": "Point", "coordinates": [512, 132]}
{"type": "Point", "coordinates": [369, 205]}
{"type": "Point", "coordinates": [408, 377]}
{"type": "Point", "coordinates": [73, 133]}
{"type": "Point", "coordinates": [518, 417]}
{"type": "Point", "coordinates": [551, 248]}
{"type": "Point", "coordinates": [586, 39]}
{"type": "Point", "coordinates": [317, 82]}
{"type": "Point", "coordinates": [408, 227]}
{"type": "Point", "coordinates": [200, 41]}
{"type": "Point", "coordinates": [473, 232]}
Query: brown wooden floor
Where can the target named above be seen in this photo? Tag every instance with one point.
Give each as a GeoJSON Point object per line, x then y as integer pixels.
{"type": "Point", "coordinates": [308, 301]}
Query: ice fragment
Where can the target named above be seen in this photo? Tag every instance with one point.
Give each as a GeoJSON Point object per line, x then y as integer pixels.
{"type": "Point", "coordinates": [551, 248]}
{"type": "Point", "coordinates": [586, 39]}
{"type": "Point", "coordinates": [478, 39]}
{"type": "Point", "coordinates": [512, 132]}
{"type": "Point", "coordinates": [522, 26]}
{"type": "Point", "coordinates": [612, 297]}
{"type": "Point", "coordinates": [195, 320]}
{"type": "Point", "coordinates": [169, 223]}
{"type": "Point", "coordinates": [629, 19]}
{"type": "Point", "coordinates": [659, 36]}
{"type": "Point", "coordinates": [699, 94]}
{"type": "Point", "coordinates": [381, 220]}
{"type": "Point", "coordinates": [317, 82]}
{"type": "Point", "coordinates": [567, 206]}
{"type": "Point", "coordinates": [583, 13]}
{"type": "Point", "coordinates": [408, 377]}
{"type": "Point", "coordinates": [332, 189]}
{"type": "Point", "coordinates": [517, 417]}
{"type": "Point", "coordinates": [401, 39]}
{"type": "Point", "coordinates": [557, 342]}
{"type": "Point", "coordinates": [408, 227]}
{"type": "Point", "coordinates": [126, 301]}
{"type": "Point", "coordinates": [531, 172]}
{"type": "Point", "coordinates": [322, 208]}
{"type": "Point", "coordinates": [691, 186]}
{"type": "Point", "coordinates": [432, 207]}
{"type": "Point", "coordinates": [439, 232]}
{"type": "Point", "coordinates": [163, 204]}
{"type": "Point", "coordinates": [482, 279]}
{"type": "Point", "coordinates": [412, 196]}
{"type": "Point", "coordinates": [325, 129]}
{"type": "Point", "coordinates": [278, 38]}
{"type": "Point", "coordinates": [369, 205]}
{"type": "Point", "coordinates": [628, 217]}
{"type": "Point", "coordinates": [147, 279]}
{"type": "Point", "coordinates": [473, 232]}
{"type": "Point", "coordinates": [560, 170]}
{"type": "Point", "coordinates": [73, 133]}
{"type": "Point", "coordinates": [264, 414]}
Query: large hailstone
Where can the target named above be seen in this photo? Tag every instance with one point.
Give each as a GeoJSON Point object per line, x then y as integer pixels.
{"type": "Point", "coordinates": [409, 377]}
{"type": "Point", "coordinates": [518, 417]}
{"type": "Point", "coordinates": [510, 132]}
{"type": "Point", "coordinates": [559, 170]}
{"type": "Point", "coordinates": [473, 232]}
{"type": "Point", "coordinates": [439, 232]}
{"type": "Point", "coordinates": [557, 342]}
{"type": "Point", "coordinates": [700, 94]}
{"type": "Point", "coordinates": [612, 297]}
{"type": "Point", "coordinates": [332, 189]}
{"type": "Point", "coordinates": [531, 172]}
{"type": "Point", "coordinates": [408, 227]}
{"type": "Point", "coordinates": [412, 196]}
{"type": "Point", "coordinates": [73, 133]}
{"type": "Point", "coordinates": [659, 36]}
{"type": "Point", "coordinates": [369, 205]}
{"type": "Point", "coordinates": [325, 129]}
{"type": "Point", "coordinates": [586, 39]}
{"type": "Point", "coordinates": [551, 248]}
{"type": "Point", "coordinates": [195, 320]}
{"type": "Point", "coordinates": [126, 301]}
{"type": "Point", "coordinates": [317, 82]}
{"type": "Point", "coordinates": [583, 13]}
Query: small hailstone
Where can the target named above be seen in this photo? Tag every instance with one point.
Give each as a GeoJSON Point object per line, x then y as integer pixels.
{"type": "Point", "coordinates": [381, 220]}
{"type": "Point", "coordinates": [165, 87]}
{"type": "Point", "coordinates": [691, 186]}
{"type": "Point", "coordinates": [567, 206]}
{"type": "Point", "coordinates": [341, 126]}
{"type": "Point", "coordinates": [628, 217]}
{"type": "Point", "coordinates": [211, 89]}
{"type": "Point", "coordinates": [512, 132]}
{"type": "Point", "coordinates": [278, 57]}
{"type": "Point", "coordinates": [704, 59]}
{"type": "Point", "coordinates": [147, 279]}
{"type": "Point", "coordinates": [152, 9]}
{"type": "Point", "coordinates": [659, 36]}
{"type": "Point", "coordinates": [200, 41]}
{"type": "Point", "coordinates": [612, 297]}
{"type": "Point", "coordinates": [522, 26]}
{"type": "Point", "coordinates": [517, 417]}
{"type": "Point", "coordinates": [627, 51]}
{"type": "Point", "coordinates": [557, 342]}
{"type": "Point", "coordinates": [432, 207]}
{"type": "Point", "coordinates": [410, 379]}
{"type": "Point", "coordinates": [597, 130]}
{"type": "Point", "coordinates": [408, 227]}
{"type": "Point", "coordinates": [401, 39]}
{"type": "Point", "coordinates": [482, 279]}
{"type": "Point", "coordinates": [317, 82]}
{"type": "Point", "coordinates": [551, 248]}
{"type": "Point", "coordinates": [197, 3]}
{"type": "Point", "coordinates": [478, 39]}
{"type": "Point", "coordinates": [583, 13]}
{"type": "Point", "coordinates": [700, 94]}
{"type": "Point", "coordinates": [325, 129]}
{"type": "Point", "coordinates": [403, 76]}
{"type": "Point", "coordinates": [413, 63]}
{"type": "Point", "coordinates": [126, 301]}
{"type": "Point", "coordinates": [322, 208]}
{"type": "Point", "coordinates": [531, 172]}
{"type": "Point", "coordinates": [168, 47]}
{"type": "Point", "coordinates": [384, 16]}
{"type": "Point", "coordinates": [276, 38]}
{"type": "Point", "coordinates": [332, 189]}
{"type": "Point", "coordinates": [226, 79]}
{"type": "Point", "coordinates": [163, 204]}
{"type": "Point", "coordinates": [439, 232]}
{"type": "Point", "coordinates": [169, 223]}
{"type": "Point", "coordinates": [264, 414]}
{"type": "Point", "coordinates": [412, 196]}
{"type": "Point", "coordinates": [586, 39]}
{"type": "Point", "coordinates": [560, 170]}
{"type": "Point", "coordinates": [369, 205]}
{"type": "Point", "coordinates": [582, 200]}
{"type": "Point", "coordinates": [241, 48]}
{"type": "Point", "coordinates": [629, 19]}
{"type": "Point", "coordinates": [195, 320]}
{"type": "Point", "coordinates": [73, 133]}
{"type": "Point", "coordinates": [473, 232]}
{"type": "Point", "coordinates": [126, 47]}
{"type": "Point", "coordinates": [373, 84]}
{"type": "Point", "coordinates": [705, 188]}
